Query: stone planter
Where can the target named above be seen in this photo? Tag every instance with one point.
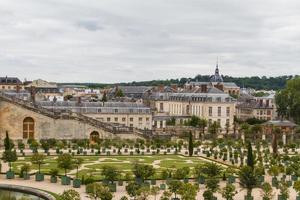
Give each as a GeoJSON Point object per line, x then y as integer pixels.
{"type": "Point", "coordinates": [65, 180]}
{"type": "Point", "coordinates": [279, 197]}
{"type": "Point", "coordinates": [153, 182]}
{"type": "Point", "coordinates": [248, 197]}
{"type": "Point", "coordinates": [274, 182]}
{"type": "Point", "coordinates": [112, 187]}
{"type": "Point", "coordinates": [76, 183]}
{"type": "Point", "coordinates": [10, 175]}
{"type": "Point", "coordinates": [53, 179]}
{"type": "Point", "coordinates": [294, 178]}
{"type": "Point", "coordinates": [231, 179]}
{"type": "Point", "coordinates": [162, 186]}
{"type": "Point", "coordinates": [120, 183]}
{"type": "Point", "coordinates": [201, 180]}
{"type": "Point", "coordinates": [26, 176]}
{"type": "Point", "coordinates": [39, 177]}
{"type": "Point", "coordinates": [261, 179]}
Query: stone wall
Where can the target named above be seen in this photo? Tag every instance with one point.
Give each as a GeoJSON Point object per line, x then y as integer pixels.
{"type": "Point", "coordinates": [12, 116]}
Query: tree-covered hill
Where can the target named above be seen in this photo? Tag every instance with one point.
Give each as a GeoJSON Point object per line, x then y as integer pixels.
{"type": "Point", "coordinates": [255, 82]}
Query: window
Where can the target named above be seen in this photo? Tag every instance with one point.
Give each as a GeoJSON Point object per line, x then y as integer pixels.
{"type": "Point", "coordinates": [227, 122]}
{"type": "Point", "coordinates": [131, 125]}
{"type": "Point", "coordinates": [131, 119]}
{"type": "Point", "coordinates": [228, 111]}
{"type": "Point", "coordinates": [147, 119]}
{"type": "Point", "coordinates": [219, 121]}
{"type": "Point", "coordinates": [140, 119]}
{"type": "Point", "coordinates": [108, 119]}
{"type": "Point", "coordinates": [28, 128]}
{"type": "Point", "coordinates": [123, 119]}
{"type": "Point", "coordinates": [219, 111]}
{"type": "Point", "coordinates": [209, 121]}
{"type": "Point", "coordinates": [161, 107]}
{"type": "Point", "coordinates": [116, 119]}
{"type": "Point", "coordinates": [116, 110]}
{"type": "Point", "coordinates": [210, 111]}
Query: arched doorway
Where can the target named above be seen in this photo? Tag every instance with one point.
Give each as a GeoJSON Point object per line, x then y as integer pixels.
{"type": "Point", "coordinates": [94, 136]}
{"type": "Point", "coordinates": [28, 128]}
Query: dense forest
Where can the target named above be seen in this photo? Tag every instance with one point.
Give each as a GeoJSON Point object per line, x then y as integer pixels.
{"type": "Point", "coordinates": [255, 82]}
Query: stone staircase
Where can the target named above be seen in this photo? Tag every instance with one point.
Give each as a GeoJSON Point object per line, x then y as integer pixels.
{"type": "Point", "coordinates": [66, 115]}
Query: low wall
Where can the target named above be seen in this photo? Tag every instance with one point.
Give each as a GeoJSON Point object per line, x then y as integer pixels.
{"type": "Point", "coordinates": [27, 190]}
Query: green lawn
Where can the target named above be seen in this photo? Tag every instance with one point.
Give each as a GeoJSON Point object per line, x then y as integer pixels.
{"type": "Point", "coordinates": [93, 164]}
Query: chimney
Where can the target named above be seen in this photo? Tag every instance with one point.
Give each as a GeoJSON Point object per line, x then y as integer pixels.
{"type": "Point", "coordinates": [174, 87]}
{"type": "Point", "coordinates": [18, 88]}
{"type": "Point", "coordinates": [32, 93]}
{"type": "Point", "coordinates": [220, 87]}
{"type": "Point", "coordinates": [79, 101]}
{"type": "Point", "coordinates": [203, 88]}
{"type": "Point", "coordinates": [161, 88]}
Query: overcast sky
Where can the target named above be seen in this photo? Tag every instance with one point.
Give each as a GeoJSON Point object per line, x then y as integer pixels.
{"type": "Point", "coordinates": [133, 40]}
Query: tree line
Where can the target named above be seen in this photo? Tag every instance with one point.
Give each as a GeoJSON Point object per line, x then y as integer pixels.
{"type": "Point", "coordinates": [255, 82]}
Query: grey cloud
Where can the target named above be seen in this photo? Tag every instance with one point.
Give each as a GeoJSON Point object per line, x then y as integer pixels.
{"type": "Point", "coordinates": [126, 40]}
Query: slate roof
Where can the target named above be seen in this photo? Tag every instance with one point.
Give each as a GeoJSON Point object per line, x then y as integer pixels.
{"type": "Point", "coordinates": [10, 81]}
{"type": "Point", "coordinates": [134, 89]}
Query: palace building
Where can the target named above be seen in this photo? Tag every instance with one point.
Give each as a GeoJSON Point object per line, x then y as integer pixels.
{"type": "Point", "coordinates": [215, 81]}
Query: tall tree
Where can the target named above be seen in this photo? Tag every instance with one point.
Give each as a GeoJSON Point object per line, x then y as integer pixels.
{"type": "Point", "coordinates": [250, 157]}
{"type": "Point", "coordinates": [191, 144]}
{"type": "Point", "coordinates": [288, 100]}
{"type": "Point", "coordinates": [202, 126]}
{"type": "Point", "coordinates": [275, 134]}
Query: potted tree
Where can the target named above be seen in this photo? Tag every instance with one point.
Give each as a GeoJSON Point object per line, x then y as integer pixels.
{"type": "Point", "coordinates": [228, 192]}
{"type": "Point", "coordinates": [248, 180]}
{"type": "Point", "coordinates": [24, 173]}
{"type": "Point", "coordinates": [267, 191]}
{"type": "Point", "coordinates": [53, 175]}
{"type": "Point", "coordinates": [65, 162]}
{"type": "Point", "coordinates": [110, 174]}
{"type": "Point", "coordinates": [77, 163]}
{"type": "Point", "coordinates": [9, 156]}
{"type": "Point", "coordinates": [21, 147]}
{"type": "Point", "coordinates": [297, 188]}
{"type": "Point", "coordinates": [38, 159]}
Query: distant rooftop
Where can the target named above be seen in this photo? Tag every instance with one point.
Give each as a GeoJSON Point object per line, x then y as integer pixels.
{"type": "Point", "coordinates": [10, 81]}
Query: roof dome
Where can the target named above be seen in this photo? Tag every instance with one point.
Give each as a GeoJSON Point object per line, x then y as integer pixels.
{"type": "Point", "coordinates": [216, 77]}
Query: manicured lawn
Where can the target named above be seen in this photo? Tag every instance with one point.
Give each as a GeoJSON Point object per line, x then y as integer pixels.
{"type": "Point", "coordinates": [93, 164]}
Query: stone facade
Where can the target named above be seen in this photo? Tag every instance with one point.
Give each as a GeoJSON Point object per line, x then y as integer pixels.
{"type": "Point", "coordinates": [12, 117]}
{"type": "Point", "coordinates": [213, 107]}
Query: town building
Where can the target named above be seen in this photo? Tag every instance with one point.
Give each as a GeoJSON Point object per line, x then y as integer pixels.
{"type": "Point", "coordinates": [263, 108]}
{"type": "Point", "coordinates": [214, 105]}
{"type": "Point", "coordinates": [215, 81]}
{"type": "Point", "coordinates": [11, 83]}
{"type": "Point", "coordinates": [134, 92]}
{"type": "Point", "coordinates": [130, 114]}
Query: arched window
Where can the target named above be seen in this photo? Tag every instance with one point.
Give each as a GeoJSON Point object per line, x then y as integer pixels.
{"type": "Point", "coordinates": [28, 128]}
{"type": "Point", "coordinates": [94, 136]}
